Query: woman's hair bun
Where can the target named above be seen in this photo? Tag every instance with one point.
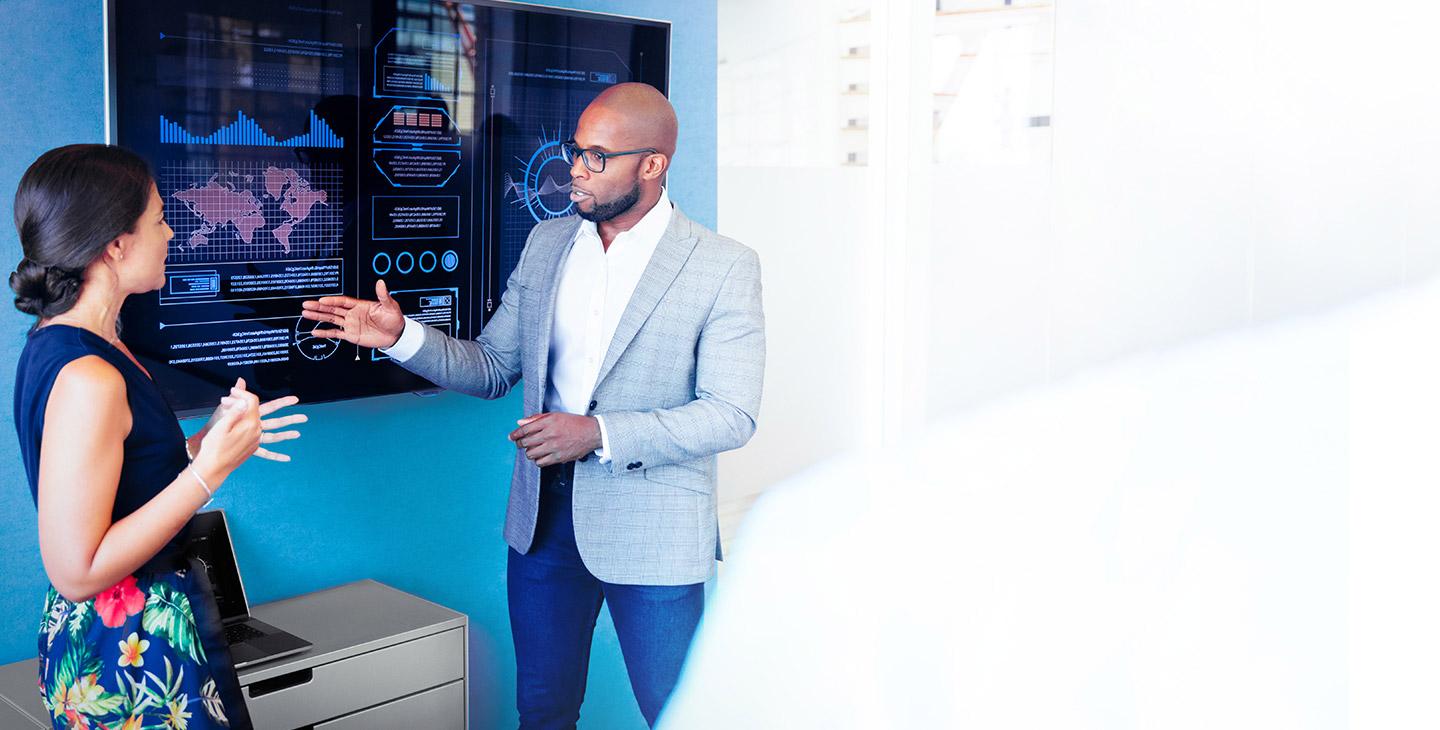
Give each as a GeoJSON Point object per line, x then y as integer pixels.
{"type": "Point", "coordinates": [45, 291]}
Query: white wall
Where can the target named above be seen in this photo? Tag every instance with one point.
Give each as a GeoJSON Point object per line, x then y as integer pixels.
{"type": "Point", "coordinates": [783, 192]}
{"type": "Point", "coordinates": [1214, 165]}
{"type": "Point", "coordinates": [814, 293]}
{"type": "Point", "coordinates": [777, 83]}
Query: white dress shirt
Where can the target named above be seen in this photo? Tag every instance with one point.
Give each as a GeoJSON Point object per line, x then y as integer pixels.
{"type": "Point", "coordinates": [594, 288]}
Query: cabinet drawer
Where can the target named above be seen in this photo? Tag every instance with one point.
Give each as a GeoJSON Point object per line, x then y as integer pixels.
{"type": "Point", "coordinates": [442, 708]}
{"type": "Point", "coordinates": [342, 687]}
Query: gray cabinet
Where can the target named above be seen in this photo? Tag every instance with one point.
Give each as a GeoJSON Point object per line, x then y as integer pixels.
{"type": "Point", "coordinates": [381, 658]}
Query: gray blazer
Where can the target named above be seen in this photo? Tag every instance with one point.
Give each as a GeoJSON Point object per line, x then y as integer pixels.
{"type": "Point", "coordinates": [680, 383]}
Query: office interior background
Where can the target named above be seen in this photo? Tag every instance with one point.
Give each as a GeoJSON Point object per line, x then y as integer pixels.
{"type": "Point", "coordinates": [956, 203]}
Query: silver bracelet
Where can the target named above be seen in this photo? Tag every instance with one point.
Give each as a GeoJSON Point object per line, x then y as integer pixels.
{"type": "Point", "coordinates": [209, 493]}
{"type": "Point", "coordinates": [188, 455]}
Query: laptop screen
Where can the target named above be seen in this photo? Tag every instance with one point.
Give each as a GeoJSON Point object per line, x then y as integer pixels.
{"type": "Point", "coordinates": [209, 540]}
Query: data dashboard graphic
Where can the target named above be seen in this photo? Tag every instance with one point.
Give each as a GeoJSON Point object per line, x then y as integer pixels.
{"type": "Point", "coordinates": [415, 63]}
{"type": "Point", "coordinates": [310, 345]}
{"type": "Point", "coordinates": [305, 149]}
{"type": "Point", "coordinates": [246, 131]}
{"type": "Point", "coordinates": [252, 210]}
{"type": "Point", "coordinates": [541, 183]}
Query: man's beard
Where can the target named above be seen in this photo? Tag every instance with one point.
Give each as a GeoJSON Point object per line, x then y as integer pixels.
{"type": "Point", "coordinates": [605, 211]}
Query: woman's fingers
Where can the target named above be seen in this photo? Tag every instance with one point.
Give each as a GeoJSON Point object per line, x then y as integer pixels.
{"type": "Point", "coordinates": [226, 415]}
{"type": "Point", "coordinates": [271, 455]}
{"type": "Point", "coordinates": [237, 406]}
{"type": "Point", "coordinates": [240, 391]}
{"type": "Point", "coordinates": [245, 400]}
{"type": "Point", "coordinates": [237, 391]}
{"type": "Point", "coordinates": [271, 423]}
{"type": "Point", "coordinates": [269, 407]}
{"type": "Point", "coordinates": [270, 437]}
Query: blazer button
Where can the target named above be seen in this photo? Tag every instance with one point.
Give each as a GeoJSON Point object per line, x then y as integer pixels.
{"type": "Point", "coordinates": [632, 466]}
{"type": "Point", "coordinates": [593, 404]}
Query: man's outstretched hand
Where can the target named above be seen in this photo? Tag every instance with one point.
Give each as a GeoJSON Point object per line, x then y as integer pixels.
{"type": "Point", "coordinates": [363, 322]}
{"type": "Point", "coordinates": [556, 438]}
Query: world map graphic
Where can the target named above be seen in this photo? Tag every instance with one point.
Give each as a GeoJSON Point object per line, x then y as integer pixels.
{"type": "Point", "coordinates": [233, 199]}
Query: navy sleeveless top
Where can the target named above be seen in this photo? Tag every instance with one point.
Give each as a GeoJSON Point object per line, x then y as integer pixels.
{"type": "Point", "coordinates": [155, 448]}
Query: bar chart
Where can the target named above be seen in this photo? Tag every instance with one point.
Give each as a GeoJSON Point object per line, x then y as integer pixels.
{"type": "Point", "coordinates": [245, 131]}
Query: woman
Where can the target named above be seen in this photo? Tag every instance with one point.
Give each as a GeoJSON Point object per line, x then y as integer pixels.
{"type": "Point", "coordinates": [130, 637]}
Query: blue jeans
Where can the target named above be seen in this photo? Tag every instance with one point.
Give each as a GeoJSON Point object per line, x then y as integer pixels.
{"type": "Point", "coordinates": [554, 601]}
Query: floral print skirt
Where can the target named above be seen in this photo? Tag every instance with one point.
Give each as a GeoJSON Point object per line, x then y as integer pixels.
{"type": "Point", "coordinates": [146, 654]}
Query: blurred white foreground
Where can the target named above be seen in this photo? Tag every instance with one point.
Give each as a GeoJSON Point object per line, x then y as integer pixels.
{"type": "Point", "coordinates": [1238, 533]}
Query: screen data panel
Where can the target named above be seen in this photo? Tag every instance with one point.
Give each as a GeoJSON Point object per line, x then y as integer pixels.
{"type": "Point", "coordinates": [306, 149]}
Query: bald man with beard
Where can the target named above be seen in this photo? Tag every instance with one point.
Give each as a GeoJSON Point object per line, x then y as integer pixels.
{"type": "Point", "coordinates": [640, 339]}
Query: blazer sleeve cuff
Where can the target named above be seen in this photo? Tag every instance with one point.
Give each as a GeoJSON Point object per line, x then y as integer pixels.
{"type": "Point", "coordinates": [412, 338]}
{"type": "Point", "coordinates": [604, 451]}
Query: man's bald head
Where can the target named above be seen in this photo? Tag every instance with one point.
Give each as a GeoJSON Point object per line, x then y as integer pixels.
{"type": "Point", "coordinates": [636, 126]}
{"type": "Point", "coordinates": [633, 115]}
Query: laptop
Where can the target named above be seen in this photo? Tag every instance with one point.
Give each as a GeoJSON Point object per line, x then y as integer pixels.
{"type": "Point", "coordinates": [251, 641]}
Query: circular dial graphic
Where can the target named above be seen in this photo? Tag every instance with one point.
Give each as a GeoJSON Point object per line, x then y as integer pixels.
{"type": "Point", "coordinates": [311, 345]}
{"type": "Point", "coordinates": [542, 185]}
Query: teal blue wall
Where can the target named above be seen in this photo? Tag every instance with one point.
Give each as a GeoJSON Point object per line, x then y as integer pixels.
{"type": "Point", "coordinates": [407, 490]}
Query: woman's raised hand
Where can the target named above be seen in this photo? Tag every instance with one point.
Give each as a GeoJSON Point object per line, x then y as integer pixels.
{"type": "Point", "coordinates": [231, 437]}
{"type": "Point", "coordinates": [268, 426]}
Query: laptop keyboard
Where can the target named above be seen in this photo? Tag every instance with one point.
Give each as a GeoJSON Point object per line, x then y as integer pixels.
{"type": "Point", "coordinates": [236, 633]}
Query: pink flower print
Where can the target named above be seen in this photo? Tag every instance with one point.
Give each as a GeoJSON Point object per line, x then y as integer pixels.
{"type": "Point", "coordinates": [119, 602]}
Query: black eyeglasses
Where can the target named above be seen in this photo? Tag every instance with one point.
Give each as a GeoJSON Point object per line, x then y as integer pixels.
{"type": "Point", "coordinates": [595, 159]}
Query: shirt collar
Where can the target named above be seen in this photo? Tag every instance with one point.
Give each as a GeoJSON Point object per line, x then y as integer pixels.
{"type": "Point", "coordinates": [650, 229]}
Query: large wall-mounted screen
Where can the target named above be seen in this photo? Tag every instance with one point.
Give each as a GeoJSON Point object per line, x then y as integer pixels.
{"type": "Point", "coordinates": [310, 148]}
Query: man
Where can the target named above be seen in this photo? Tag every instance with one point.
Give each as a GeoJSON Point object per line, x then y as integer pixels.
{"type": "Point", "coordinates": [640, 337]}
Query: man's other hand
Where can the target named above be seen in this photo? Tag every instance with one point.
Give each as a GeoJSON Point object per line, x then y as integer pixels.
{"type": "Point", "coordinates": [556, 438]}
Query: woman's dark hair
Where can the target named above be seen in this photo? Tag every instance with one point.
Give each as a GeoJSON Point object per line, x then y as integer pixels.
{"type": "Point", "coordinates": [72, 202]}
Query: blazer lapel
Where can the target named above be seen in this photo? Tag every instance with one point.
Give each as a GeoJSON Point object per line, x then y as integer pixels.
{"type": "Point", "coordinates": [670, 256]}
{"type": "Point", "coordinates": [548, 279]}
